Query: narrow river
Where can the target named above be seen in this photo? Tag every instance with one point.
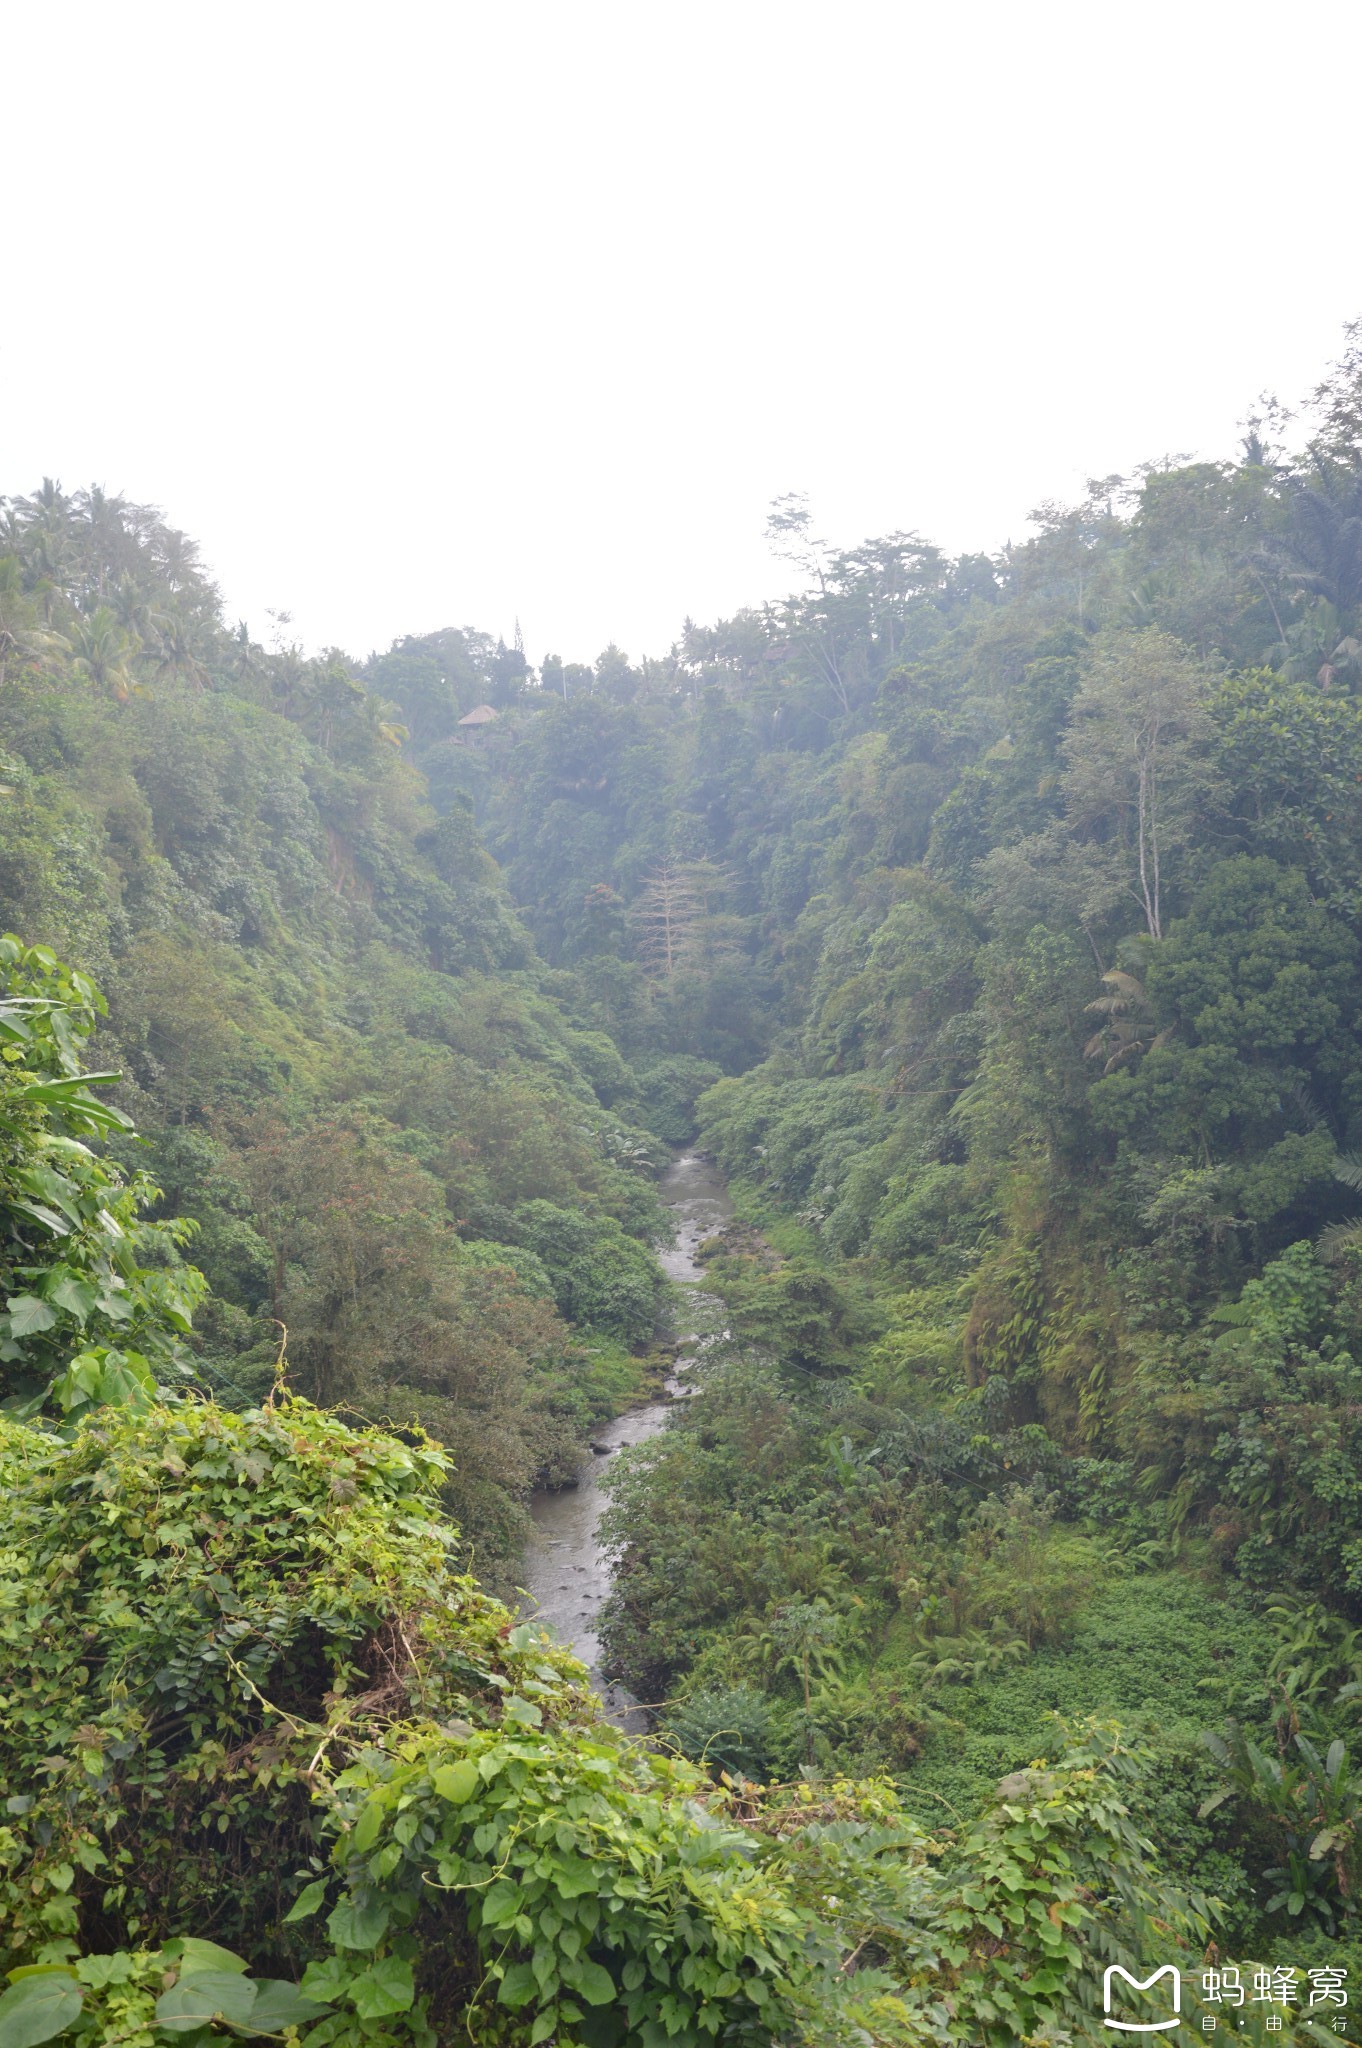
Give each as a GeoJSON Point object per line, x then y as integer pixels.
{"type": "Point", "coordinates": [567, 1573]}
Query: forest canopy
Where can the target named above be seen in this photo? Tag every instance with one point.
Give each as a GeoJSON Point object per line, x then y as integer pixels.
{"type": "Point", "coordinates": [994, 923]}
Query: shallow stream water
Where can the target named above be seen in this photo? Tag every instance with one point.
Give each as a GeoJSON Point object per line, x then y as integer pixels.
{"type": "Point", "coordinates": [566, 1572]}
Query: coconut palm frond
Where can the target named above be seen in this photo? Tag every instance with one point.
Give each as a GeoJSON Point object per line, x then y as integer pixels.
{"type": "Point", "coordinates": [1340, 1239]}
{"type": "Point", "coordinates": [1307, 1107]}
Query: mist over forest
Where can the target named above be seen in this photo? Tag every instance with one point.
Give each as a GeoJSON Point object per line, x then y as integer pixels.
{"type": "Point", "coordinates": [994, 924]}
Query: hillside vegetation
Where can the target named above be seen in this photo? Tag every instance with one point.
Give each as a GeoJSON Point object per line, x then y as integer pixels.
{"type": "Point", "coordinates": [346, 1062]}
{"type": "Point", "coordinates": [994, 922]}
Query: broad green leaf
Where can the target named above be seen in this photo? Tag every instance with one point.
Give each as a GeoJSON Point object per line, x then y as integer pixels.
{"type": "Point", "coordinates": [44, 1184]}
{"type": "Point", "coordinates": [574, 1876]}
{"type": "Point", "coordinates": [457, 1782]}
{"type": "Point", "coordinates": [40, 1213]}
{"type": "Point", "coordinates": [501, 1902]}
{"type": "Point", "coordinates": [28, 1315]}
{"type": "Point", "coordinates": [38, 2009]}
{"type": "Point", "coordinates": [367, 1827]}
{"type": "Point", "coordinates": [57, 1091]}
{"type": "Point", "coordinates": [361, 1927]}
{"type": "Point", "coordinates": [518, 1986]}
{"type": "Point", "coordinates": [77, 1296]}
{"type": "Point", "coordinates": [118, 1379]}
{"type": "Point", "coordinates": [307, 1901]}
{"type": "Point", "coordinates": [328, 1978]}
{"type": "Point", "coordinates": [196, 1956]}
{"type": "Point", "coordinates": [205, 1996]}
{"type": "Point", "coordinates": [279, 2004]}
{"type": "Point", "coordinates": [85, 1373]}
{"type": "Point", "coordinates": [590, 1982]}
{"type": "Point", "coordinates": [98, 1971]}
{"type": "Point", "coordinates": [385, 1988]}
{"type": "Point", "coordinates": [126, 1383]}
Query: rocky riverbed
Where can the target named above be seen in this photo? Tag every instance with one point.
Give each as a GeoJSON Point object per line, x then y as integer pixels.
{"type": "Point", "coordinates": [567, 1572]}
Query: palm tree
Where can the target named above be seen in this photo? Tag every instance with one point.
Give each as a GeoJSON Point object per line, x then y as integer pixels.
{"type": "Point", "coordinates": [176, 652]}
{"type": "Point", "coordinates": [47, 507]}
{"type": "Point", "coordinates": [105, 537]}
{"type": "Point", "coordinates": [1127, 1028]}
{"type": "Point", "coordinates": [176, 556]}
{"type": "Point", "coordinates": [1326, 540]}
{"type": "Point", "coordinates": [803, 1637]}
{"type": "Point", "coordinates": [385, 719]}
{"type": "Point", "coordinates": [102, 653]}
{"type": "Point", "coordinates": [1341, 1238]}
{"type": "Point", "coordinates": [135, 613]}
{"type": "Point", "coordinates": [21, 638]}
{"type": "Point", "coordinates": [44, 521]}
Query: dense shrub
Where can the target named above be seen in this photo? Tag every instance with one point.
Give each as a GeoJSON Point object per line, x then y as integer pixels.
{"type": "Point", "coordinates": [246, 1701]}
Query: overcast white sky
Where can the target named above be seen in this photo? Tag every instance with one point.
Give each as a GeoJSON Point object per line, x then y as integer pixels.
{"type": "Point", "coordinates": [443, 314]}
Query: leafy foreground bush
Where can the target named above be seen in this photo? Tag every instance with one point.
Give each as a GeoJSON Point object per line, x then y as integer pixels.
{"type": "Point", "coordinates": [273, 1769]}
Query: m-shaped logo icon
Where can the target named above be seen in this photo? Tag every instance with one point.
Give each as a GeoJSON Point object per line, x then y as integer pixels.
{"type": "Point", "coordinates": [1109, 1976]}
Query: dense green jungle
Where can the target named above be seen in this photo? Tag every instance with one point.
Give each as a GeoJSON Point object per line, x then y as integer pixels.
{"type": "Point", "coordinates": [995, 924]}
